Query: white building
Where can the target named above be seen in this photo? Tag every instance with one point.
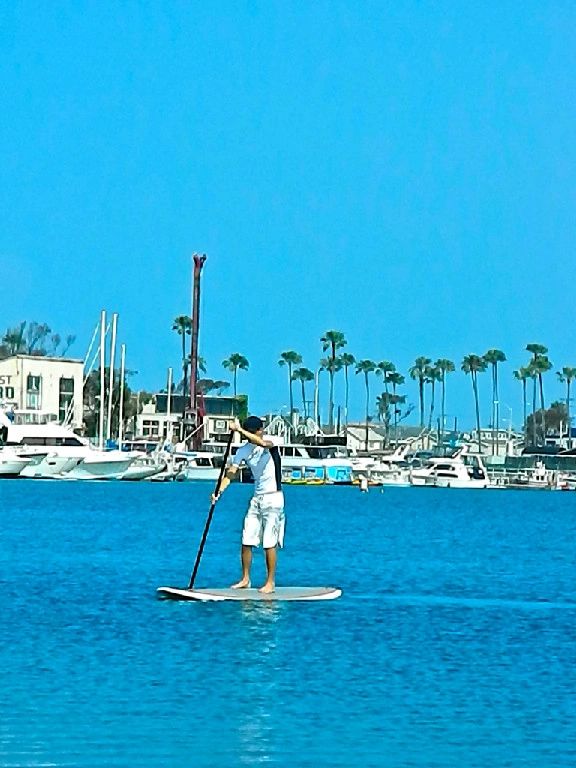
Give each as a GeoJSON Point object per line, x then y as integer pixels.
{"type": "Point", "coordinates": [51, 385]}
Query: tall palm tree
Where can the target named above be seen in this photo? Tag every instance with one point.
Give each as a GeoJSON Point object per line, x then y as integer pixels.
{"type": "Point", "coordinates": [234, 363]}
{"type": "Point", "coordinates": [535, 350]}
{"type": "Point", "coordinates": [347, 361]}
{"type": "Point", "coordinates": [418, 373]}
{"type": "Point", "coordinates": [522, 375]}
{"type": "Point", "coordinates": [475, 364]}
{"type": "Point", "coordinates": [366, 367]}
{"type": "Point", "coordinates": [567, 376]}
{"type": "Point", "coordinates": [533, 374]}
{"type": "Point", "coordinates": [290, 359]}
{"type": "Point", "coordinates": [332, 341]}
{"type": "Point", "coordinates": [444, 366]}
{"type": "Point", "coordinates": [433, 374]}
{"type": "Point", "coordinates": [303, 375]}
{"type": "Point", "coordinates": [384, 369]}
{"type": "Point", "coordinates": [183, 326]}
{"type": "Point", "coordinates": [332, 365]}
{"type": "Point", "coordinates": [542, 365]}
{"type": "Point", "coordinates": [492, 358]}
{"type": "Point", "coordinates": [396, 379]}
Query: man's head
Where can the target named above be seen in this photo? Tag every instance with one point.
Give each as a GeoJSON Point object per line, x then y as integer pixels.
{"type": "Point", "coordinates": [253, 424]}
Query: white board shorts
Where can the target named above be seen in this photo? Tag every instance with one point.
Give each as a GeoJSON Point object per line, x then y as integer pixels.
{"type": "Point", "coordinates": [264, 522]}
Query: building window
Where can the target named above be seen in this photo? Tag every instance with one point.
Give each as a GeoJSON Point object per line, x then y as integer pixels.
{"type": "Point", "coordinates": [66, 396]}
{"type": "Point", "coordinates": [149, 428]}
{"type": "Point", "coordinates": [33, 392]}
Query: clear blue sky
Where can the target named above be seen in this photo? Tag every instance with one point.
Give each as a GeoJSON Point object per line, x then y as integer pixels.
{"type": "Point", "coordinates": [403, 172]}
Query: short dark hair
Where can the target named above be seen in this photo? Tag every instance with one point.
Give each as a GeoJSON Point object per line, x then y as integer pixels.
{"type": "Point", "coordinates": [253, 424]}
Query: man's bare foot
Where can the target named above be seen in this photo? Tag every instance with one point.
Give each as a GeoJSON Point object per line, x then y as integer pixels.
{"type": "Point", "coordinates": [267, 589]}
{"type": "Point", "coordinates": [242, 584]}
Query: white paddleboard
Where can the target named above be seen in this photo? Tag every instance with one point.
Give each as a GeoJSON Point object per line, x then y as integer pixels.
{"type": "Point", "coordinates": [281, 593]}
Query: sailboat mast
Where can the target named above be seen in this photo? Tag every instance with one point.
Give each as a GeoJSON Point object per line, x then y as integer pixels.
{"type": "Point", "coordinates": [121, 406]}
{"type": "Point", "coordinates": [102, 379]}
{"type": "Point", "coordinates": [111, 376]}
{"type": "Point", "coordinates": [198, 264]}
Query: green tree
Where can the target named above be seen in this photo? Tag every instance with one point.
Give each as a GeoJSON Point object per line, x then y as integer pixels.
{"type": "Point", "coordinates": [535, 350]}
{"type": "Point", "coordinates": [475, 364]}
{"type": "Point", "coordinates": [396, 380]}
{"type": "Point", "coordinates": [384, 368]}
{"type": "Point", "coordinates": [492, 358]}
{"type": "Point", "coordinates": [418, 373]}
{"type": "Point", "coordinates": [290, 359]}
{"type": "Point", "coordinates": [567, 376]}
{"type": "Point", "coordinates": [303, 375]}
{"type": "Point", "coordinates": [366, 367]}
{"type": "Point", "coordinates": [347, 360]}
{"type": "Point", "coordinates": [183, 327]}
{"type": "Point", "coordinates": [332, 366]}
{"type": "Point", "coordinates": [433, 374]}
{"type": "Point", "coordinates": [444, 366]}
{"type": "Point", "coordinates": [332, 341]}
{"type": "Point", "coordinates": [13, 339]}
{"type": "Point", "coordinates": [522, 375]}
{"type": "Point", "coordinates": [236, 362]}
{"type": "Point", "coordinates": [554, 417]}
{"type": "Point", "coordinates": [541, 365]}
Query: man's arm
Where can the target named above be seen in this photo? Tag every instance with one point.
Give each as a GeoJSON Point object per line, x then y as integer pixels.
{"type": "Point", "coordinates": [229, 475]}
{"type": "Point", "coordinates": [251, 437]}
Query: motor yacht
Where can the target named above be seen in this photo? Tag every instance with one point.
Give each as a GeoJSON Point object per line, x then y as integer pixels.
{"type": "Point", "coordinates": [68, 455]}
{"type": "Point", "coordinates": [11, 464]}
{"type": "Point", "coordinates": [457, 471]}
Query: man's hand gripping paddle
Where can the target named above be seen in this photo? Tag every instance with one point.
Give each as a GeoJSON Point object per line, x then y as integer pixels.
{"type": "Point", "coordinates": [212, 507]}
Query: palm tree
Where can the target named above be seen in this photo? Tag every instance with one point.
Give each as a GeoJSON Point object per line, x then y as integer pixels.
{"type": "Point", "coordinates": [475, 364]}
{"type": "Point", "coordinates": [418, 373]}
{"type": "Point", "coordinates": [433, 374]}
{"type": "Point", "coordinates": [347, 360]}
{"type": "Point", "coordinates": [541, 365]}
{"type": "Point", "coordinates": [333, 341]}
{"type": "Point", "coordinates": [396, 379]}
{"type": "Point", "coordinates": [332, 366]}
{"type": "Point", "coordinates": [234, 363]}
{"type": "Point", "coordinates": [492, 358]}
{"type": "Point", "coordinates": [523, 374]}
{"type": "Point", "coordinates": [366, 367]}
{"type": "Point", "coordinates": [303, 375]}
{"type": "Point", "coordinates": [290, 359]}
{"type": "Point", "coordinates": [535, 350]}
{"type": "Point", "coordinates": [567, 376]}
{"type": "Point", "coordinates": [384, 369]}
{"type": "Point", "coordinates": [183, 326]}
{"type": "Point", "coordinates": [444, 366]}
{"type": "Point", "coordinates": [533, 374]}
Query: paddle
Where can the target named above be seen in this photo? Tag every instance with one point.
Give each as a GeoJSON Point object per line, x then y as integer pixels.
{"type": "Point", "coordinates": [211, 512]}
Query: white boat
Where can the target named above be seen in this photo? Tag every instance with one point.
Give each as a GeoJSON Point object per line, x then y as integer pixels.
{"type": "Point", "coordinates": [391, 469]}
{"type": "Point", "coordinates": [536, 478]}
{"type": "Point", "coordinates": [315, 464]}
{"type": "Point", "coordinates": [11, 464]}
{"type": "Point", "coordinates": [144, 467]}
{"type": "Point", "coordinates": [68, 456]}
{"type": "Point", "coordinates": [457, 471]}
{"type": "Point", "coordinates": [199, 465]}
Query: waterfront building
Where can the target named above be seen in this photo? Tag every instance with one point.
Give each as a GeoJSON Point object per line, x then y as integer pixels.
{"type": "Point", "coordinates": [34, 384]}
{"type": "Point", "coordinates": [161, 419]}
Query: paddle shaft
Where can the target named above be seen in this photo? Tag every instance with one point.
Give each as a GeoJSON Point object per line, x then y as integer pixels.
{"type": "Point", "coordinates": [211, 512]}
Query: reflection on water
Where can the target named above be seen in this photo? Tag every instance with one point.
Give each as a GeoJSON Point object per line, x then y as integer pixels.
{"type": "Point", "coordinates": [258, 660]}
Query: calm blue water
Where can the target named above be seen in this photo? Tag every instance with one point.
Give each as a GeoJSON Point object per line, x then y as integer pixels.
{"type": "Point", "coordinates": [454, 644]}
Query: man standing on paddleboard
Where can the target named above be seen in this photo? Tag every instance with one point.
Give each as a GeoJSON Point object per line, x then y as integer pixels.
{"type": "Point", "coordinates": [264, 521]}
